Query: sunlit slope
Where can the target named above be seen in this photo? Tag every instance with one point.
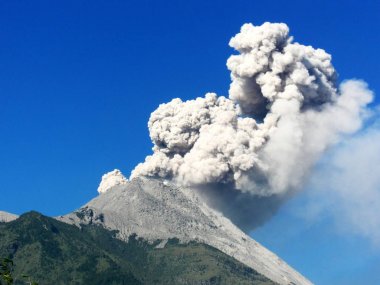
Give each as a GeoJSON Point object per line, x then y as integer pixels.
{"type": "Point", "coordinates": [53, 252]}
{"type": "Point", "coordinates": [154, 209]}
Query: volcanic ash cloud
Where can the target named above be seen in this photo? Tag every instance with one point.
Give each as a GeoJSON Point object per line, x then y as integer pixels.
{"type": "Point", "coordinates": [284, 110]}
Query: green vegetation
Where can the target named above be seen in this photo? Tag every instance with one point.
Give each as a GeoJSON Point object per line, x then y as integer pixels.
{"type": "Point", "coordinates": [53, 252]}
{"type": "Point", "coordinates": [6, 266]}
{"type": "Point", "coordinates": [6, 277]}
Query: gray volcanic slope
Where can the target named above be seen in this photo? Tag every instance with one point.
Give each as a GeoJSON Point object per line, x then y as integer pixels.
{"type": "Point", "coordinates": [155, 209]}
{"type": "Point", "coordinates": [7, 217]}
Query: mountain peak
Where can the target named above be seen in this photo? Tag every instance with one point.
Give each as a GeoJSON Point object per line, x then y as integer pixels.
{"type": "Point", "coordinates": [154, 209]}
{"type": "Point", "coordinates": [111, 179]}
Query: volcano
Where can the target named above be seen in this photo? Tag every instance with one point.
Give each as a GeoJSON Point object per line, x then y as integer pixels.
{"type": "Point", "coordinates": [156, 209]}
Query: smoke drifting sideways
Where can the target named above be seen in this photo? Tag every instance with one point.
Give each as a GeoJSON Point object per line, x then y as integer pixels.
{"type": "Point", "coordinates": [247, 154]}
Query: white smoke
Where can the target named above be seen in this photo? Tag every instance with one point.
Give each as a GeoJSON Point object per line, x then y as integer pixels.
{"type": "Point", "coordinates": [284, 110]}
{"type": "Point", "coordinates": [345, 187]}
{"type": "Point", "coordinates": [111, 179]}
{"type": "Point", "coordinates": [270, 68]}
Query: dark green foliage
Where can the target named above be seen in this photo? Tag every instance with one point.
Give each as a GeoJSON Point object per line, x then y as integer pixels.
{"type": "Point", "coordinates": [53, 252]}
{"type": "Point", "coordinates": [6, 273]}
{"type": "Point", "coordinates": [6, 266]}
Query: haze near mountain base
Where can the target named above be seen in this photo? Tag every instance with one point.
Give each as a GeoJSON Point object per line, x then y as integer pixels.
{"type": "Point", "coordinates": [249, 153]}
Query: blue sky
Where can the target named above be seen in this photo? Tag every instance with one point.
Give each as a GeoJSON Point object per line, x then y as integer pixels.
{"type": "Point", "coordinates": [79, 79]}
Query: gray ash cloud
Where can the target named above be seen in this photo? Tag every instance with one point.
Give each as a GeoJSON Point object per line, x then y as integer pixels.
{"type": "Point", "coordinates": [250, 152]}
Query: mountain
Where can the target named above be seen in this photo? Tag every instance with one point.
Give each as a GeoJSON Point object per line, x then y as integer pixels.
{"type": "Point", "coordinates": [7, 217]}
{"type": "Point", "coordinates": [155, 210]}
{"type": "Point", "coordinates": [54, 252]}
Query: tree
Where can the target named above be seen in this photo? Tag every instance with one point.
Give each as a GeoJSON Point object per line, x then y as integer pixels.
{"type": "Point", "coordinates": [6, 268]}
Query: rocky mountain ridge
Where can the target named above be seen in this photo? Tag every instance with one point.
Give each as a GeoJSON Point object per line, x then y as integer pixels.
{"type": "Point", "coordinates": [154, 209]}
{"type": "Point", "coordinates": [54, 252]}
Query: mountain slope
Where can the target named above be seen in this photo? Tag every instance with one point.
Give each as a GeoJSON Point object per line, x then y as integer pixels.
{"type": "Point", "coordinates": [7, 217]}
{"type": "Point", "coordinates": [53, 252]}
{"type": "Point", "coordinates": [157, 210]}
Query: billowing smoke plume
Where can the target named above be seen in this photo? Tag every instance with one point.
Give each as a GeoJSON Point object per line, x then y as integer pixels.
{"type": "Point", "coordinates": [250, 152]}
{"type": "Point", "coordinates": [111, 179]}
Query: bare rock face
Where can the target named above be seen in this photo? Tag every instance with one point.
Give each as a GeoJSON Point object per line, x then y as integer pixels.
{"type": "Point", "coordinates": [154, 209]}
{"type": "Point", "coordinates": [7, 217]}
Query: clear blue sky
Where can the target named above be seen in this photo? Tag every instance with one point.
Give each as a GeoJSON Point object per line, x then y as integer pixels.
{"type": "Point", "coordinates": [79, 79]}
